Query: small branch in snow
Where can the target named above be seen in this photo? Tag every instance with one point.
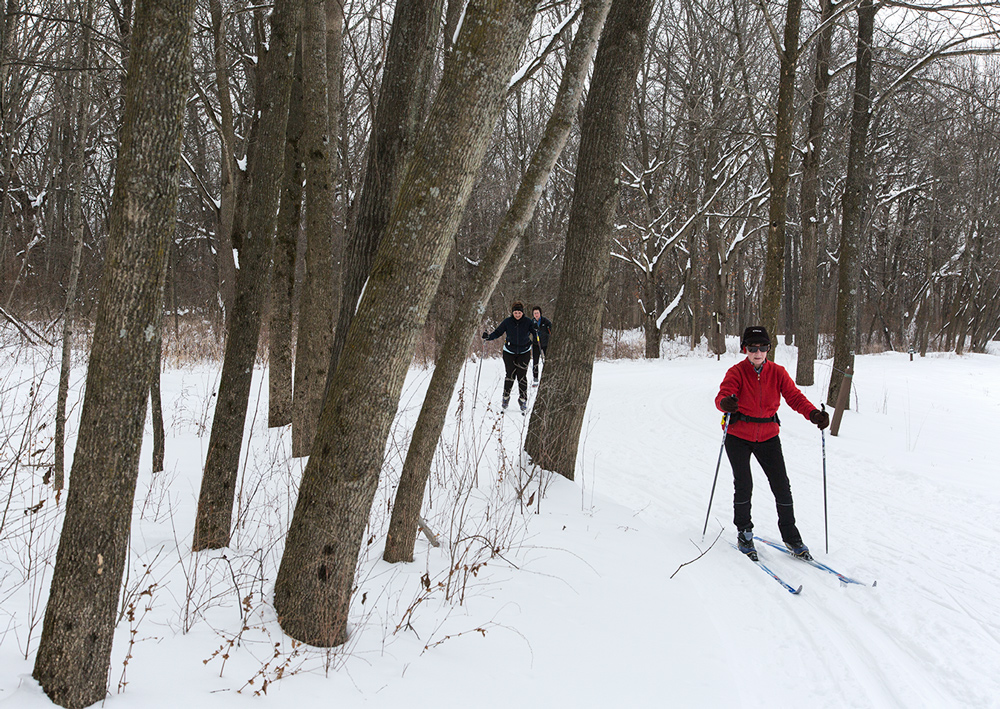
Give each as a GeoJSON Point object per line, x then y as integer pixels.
{"type": "Point", "coordinates": [700, 555]}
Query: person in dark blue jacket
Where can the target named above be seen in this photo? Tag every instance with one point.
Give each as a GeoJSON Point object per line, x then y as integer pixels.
{"type": "Point", "coordinates": [541, 343]}
{"type": "Point", "coordinates": [520, 332]}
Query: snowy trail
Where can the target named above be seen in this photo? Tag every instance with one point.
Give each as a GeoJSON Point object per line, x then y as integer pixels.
{"type": "Point", "coordinates": [591, 601]}
{"type": "Point", "coordinates": [927, 636]}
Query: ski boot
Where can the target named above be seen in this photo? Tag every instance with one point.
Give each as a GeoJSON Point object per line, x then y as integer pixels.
{"type": "Point", "coordinates": [799, 549]}
{"type": "Point", "coordinates": [744, 542]}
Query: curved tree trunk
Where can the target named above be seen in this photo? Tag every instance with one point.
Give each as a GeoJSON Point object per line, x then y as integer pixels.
{"type": "Point", "coordinates": [778, 202]}
{"type": "Point", "coordinates": [229, 174]}
{"type": "Point", "coordinates": [313, 588]}
{"type": "Point", "coordinates": [423, 443]}
{"type": "Point", "coordinates": [398, 117]}
{"type": "Point", "coordinates": [266, 151]}
{"type": "Point", "coordinates": [75, 651]}
{"type": "Point", "coordinates": [805, 336]}
{"type": "Point", "coordinates": [557, 417]}
{"type": "Point", "coordinates": [846, 334]}
{"type": "Point", "coordinates": [77, 221]}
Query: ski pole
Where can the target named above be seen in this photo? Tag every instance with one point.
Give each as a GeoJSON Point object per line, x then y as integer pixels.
{"type": "Point", "coordinates": [475, 394]}
{"type": "Point", "coordinates": [725, 431]}
{"type": "Point", "coordinates": [826, 529]}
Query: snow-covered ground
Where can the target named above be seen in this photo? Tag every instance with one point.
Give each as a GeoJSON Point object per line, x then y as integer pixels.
{"type": "Point", "coordinates": [581, 596]}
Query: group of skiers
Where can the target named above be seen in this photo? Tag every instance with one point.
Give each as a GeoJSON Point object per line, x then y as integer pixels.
{"type": "Point", "coordinates": [527, 339]}
{"type": "Point", "coordinates": [749, 395]}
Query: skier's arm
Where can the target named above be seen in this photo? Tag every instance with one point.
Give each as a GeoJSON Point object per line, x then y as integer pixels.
{"type": "Point", "coordinates": [730, 387]}
{"type": "Point", "coordinates": [793, 396]}
{"type": "Point", "coordinates": [501, 329]}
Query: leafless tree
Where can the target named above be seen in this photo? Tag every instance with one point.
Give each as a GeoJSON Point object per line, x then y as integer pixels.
{"type": "Point", "coordinates": [468, 316]}
{"type": "Point", "coordinates": [557, 417]}
{"type": "Point", "coordinates": [316, 577]}
{"type": "Point", "coordinates": [75, 650]}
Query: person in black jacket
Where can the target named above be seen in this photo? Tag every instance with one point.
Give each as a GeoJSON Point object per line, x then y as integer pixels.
{"type": "Point", "coordinates": [516, 351]}
{"type": "Point", "coordinates": [540, 344]}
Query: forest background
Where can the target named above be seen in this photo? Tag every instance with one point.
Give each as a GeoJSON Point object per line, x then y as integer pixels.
{"type": "Point", "coordinates": [322, 184]}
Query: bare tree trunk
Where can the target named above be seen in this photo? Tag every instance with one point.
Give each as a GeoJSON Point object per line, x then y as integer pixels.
{"type": "Point", "coordinates": [335, 91]}
{"type": "Point", "coordinates": [7, 33]}
{"type": "Point", "coordinates": [279, 330]}
{"type": "Point", "coordinates": [75, 651]}
{"type": "Point", "coordinates": [806, 334]}
{"type": "Point", "coordinates": [557, 417]}
{"type": "Point", "coordinates": [77, 221]}
{"type": "Point", "coordinates": [261, 187]}
{"type": "Point", "coordinates": [406, 81]}
{"type": "Point", "coordinates": [780, 166]}
{"type": "Point", "coordinates": [846, 333]}
{"type": "Point", "coordinates": [468, 316]}
{"type": "Point", "coordinates": [316, 306]}
{"type": "Point", "coordinates": [313, 587]}
{"type": "Point", "coordinates": [229, 172]}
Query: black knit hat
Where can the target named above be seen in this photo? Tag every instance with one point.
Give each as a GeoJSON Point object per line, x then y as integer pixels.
{"type": "Point", "coordinates": [755, 335]}
{"type": "Point", "coordinates": [517, 305]}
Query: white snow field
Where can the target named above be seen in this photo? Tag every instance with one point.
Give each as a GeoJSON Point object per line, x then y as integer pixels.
{"type": "Point", "coordinates": [581, 596]}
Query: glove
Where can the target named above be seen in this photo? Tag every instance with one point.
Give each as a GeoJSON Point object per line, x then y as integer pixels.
{"type": "Point", "coordinates": [486, 335]}
{"type": "Point", "coordinates": [729, 405]}
{"type": "Point", "coordinates": [820, 418]}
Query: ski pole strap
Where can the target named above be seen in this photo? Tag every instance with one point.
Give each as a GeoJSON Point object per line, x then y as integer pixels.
{"type": "Point", "coordinates": [737, 416]}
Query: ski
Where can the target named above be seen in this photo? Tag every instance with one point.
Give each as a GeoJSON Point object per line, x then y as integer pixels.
{"type": "Point", "coordinates": [812, 562]}
{"type": "Point", "coordinates": [787, 586]}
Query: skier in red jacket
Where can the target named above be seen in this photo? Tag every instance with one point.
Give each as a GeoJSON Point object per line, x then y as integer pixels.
{"type": "Point", "coordinates": [751, 393]}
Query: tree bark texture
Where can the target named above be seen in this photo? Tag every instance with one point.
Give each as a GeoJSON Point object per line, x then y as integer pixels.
{"type": "Point", "coordinates": [557, 417]}
{"type": "Point", "coordinates": [774, 264]}
{"type": "Point", "coordinates": [313, 587]}
{"type": "Point", "coordinates": [279, 330]}
{"type": "Point", "coordinates": [846, 333]}
{"type": "Point", "coordinates": [316, 304]}
{"type": "Point", "coordinates": [74, 654]}
{"type": "Point", "coordinates": [398, 117]}
{"type": "Point", "coordinates": [261, 187]}
{"type": "Point", "coordinates": [468, 316]}
{"type": "Point", "coordinates": [806, 335]}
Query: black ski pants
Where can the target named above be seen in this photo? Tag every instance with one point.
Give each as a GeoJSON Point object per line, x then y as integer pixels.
{"type": "Point", "coordinates": [768, 454]}
{"type": "Point", "coordinates": [536, 351]}
{"type": "Point", "coordinates": [517, 368]}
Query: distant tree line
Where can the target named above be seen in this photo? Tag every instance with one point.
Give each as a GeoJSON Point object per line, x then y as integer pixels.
{"type": "Point", "coordinates": [694, 208]}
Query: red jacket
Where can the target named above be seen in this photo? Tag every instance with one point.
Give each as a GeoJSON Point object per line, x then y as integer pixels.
{"type": "Point", "coordinates": [759, 396]}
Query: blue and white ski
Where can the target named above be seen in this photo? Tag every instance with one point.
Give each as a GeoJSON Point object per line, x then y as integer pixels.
{"type": "Point", "coordinates": [812, 562]}
{"type": "Point", "coordinates": [787, 586]}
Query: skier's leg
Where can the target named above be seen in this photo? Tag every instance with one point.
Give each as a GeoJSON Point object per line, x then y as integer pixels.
{"type": "Point", "coordinates": [536, 351]}
{"type": "Point", "coordinates": [521, 372]}
{"type": "Point", "coordinates": [738, 452]}
{"type": "Point", "coordinates": [768, 454]}
{"type": "Point", "coordinates": [508, 382]}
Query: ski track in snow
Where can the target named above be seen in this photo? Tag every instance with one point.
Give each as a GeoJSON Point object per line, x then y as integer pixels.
{"type": "Point", "coordinates": [927, 635]}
